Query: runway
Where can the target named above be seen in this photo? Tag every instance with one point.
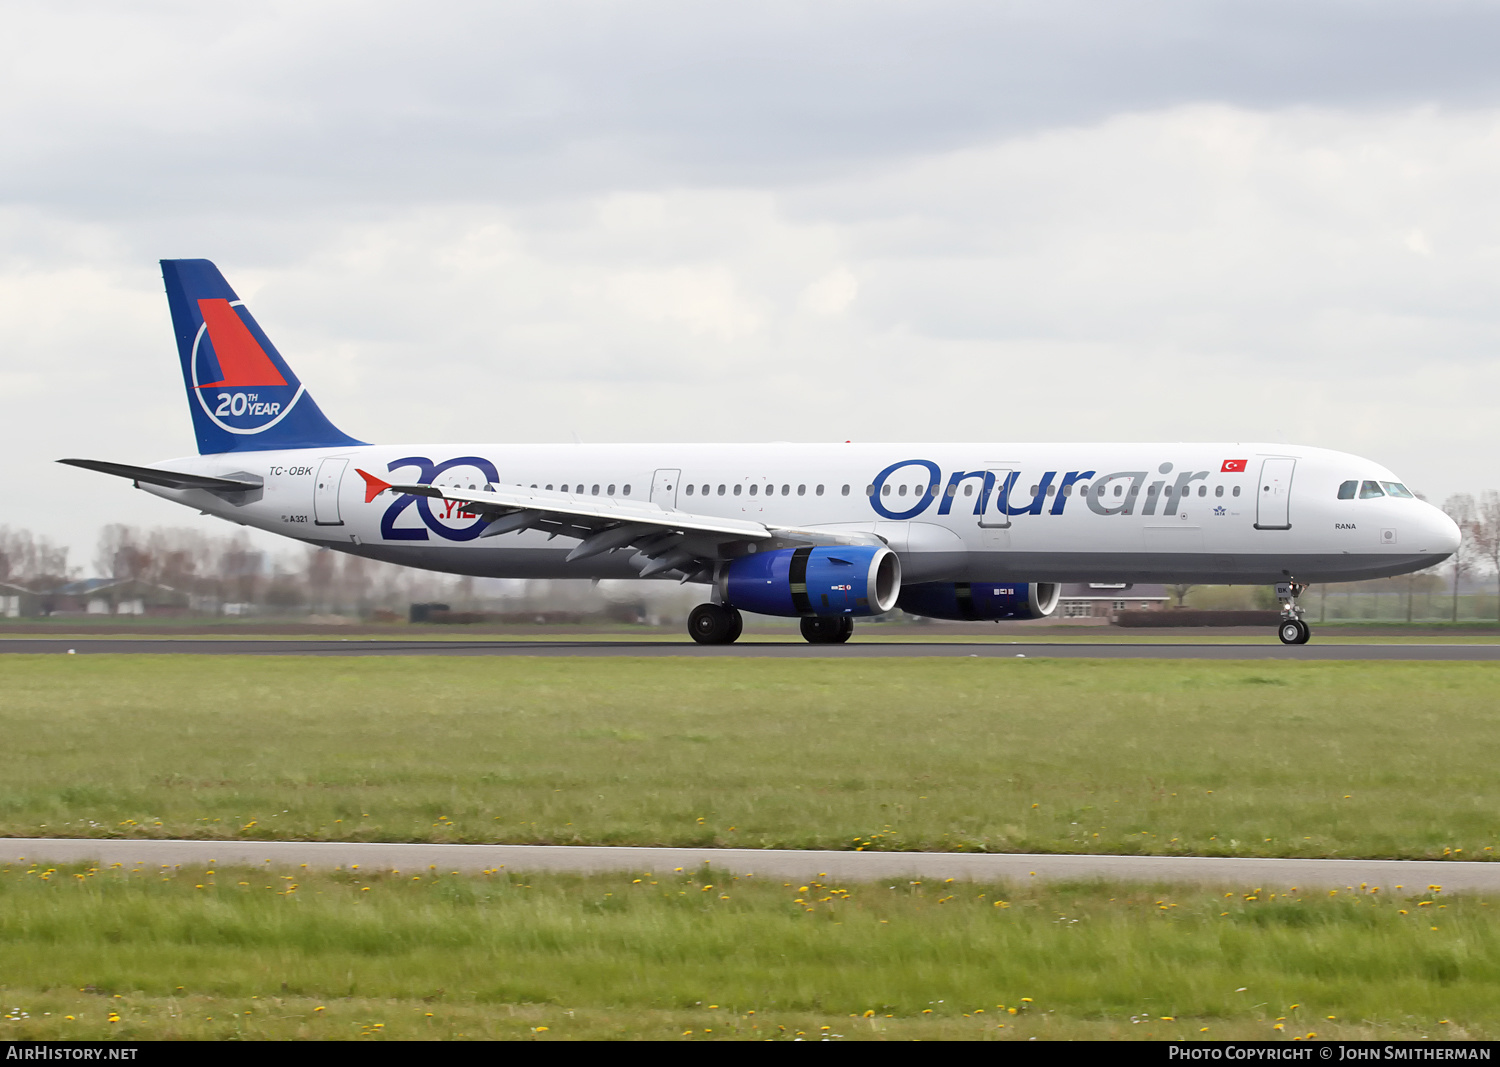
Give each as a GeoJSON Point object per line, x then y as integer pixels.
{"type": "Point", "coordinates": [1262, 649]}
{"type": "Point", "coordinates": [1390, 876]}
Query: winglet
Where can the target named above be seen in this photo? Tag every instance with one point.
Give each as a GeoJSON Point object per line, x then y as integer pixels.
{"type": "Point", "coordinates": [373, 485]}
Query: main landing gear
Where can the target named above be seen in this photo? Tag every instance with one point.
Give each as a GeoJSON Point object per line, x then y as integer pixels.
{"type": "Point", "coordinates": [715, 624]}
{"type": "Point", "coordinates": [720, 624]}
{"type": "Point", "coordinates": [821, 631]}
{"type": "Point", "coordinates": [1291, 629]}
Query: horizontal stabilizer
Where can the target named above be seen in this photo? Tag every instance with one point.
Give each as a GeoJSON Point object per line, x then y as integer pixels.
{"type": "Point", "coordinates": [168, 479]}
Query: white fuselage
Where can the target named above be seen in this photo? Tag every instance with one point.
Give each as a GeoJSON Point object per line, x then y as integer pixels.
{"type": "Point", "coordinates": [1153, 512]}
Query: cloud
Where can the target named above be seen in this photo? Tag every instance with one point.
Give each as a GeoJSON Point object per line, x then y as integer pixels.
{"type": "Point", "coordinates": [184, 108]}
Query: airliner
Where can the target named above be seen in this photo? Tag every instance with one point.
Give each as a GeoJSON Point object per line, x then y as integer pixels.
{"type": "Point", "coordinates": [825, 533]}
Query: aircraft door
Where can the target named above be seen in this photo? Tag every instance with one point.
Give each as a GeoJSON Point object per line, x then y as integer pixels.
{"type": "Point", "coordinates": [1273, 495]}
{"type": "Point", "coordinates": [664, 488]}
{"type": "Point", "coordinates": [326, 492]}
{"type": "Point", "coordinates": [993, 517]}
{"type": "Point", "coordinates": [994, 523]}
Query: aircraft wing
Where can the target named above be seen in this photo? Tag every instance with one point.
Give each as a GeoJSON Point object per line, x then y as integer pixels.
{"type": "Point", "coordinates": [665, 539]}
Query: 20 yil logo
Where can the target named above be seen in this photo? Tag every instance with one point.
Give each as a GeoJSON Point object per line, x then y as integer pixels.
{"type": "Point", "coordinates": [248, 394]}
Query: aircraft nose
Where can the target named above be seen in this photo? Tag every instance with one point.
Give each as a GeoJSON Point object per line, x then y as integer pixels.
{"type": "Point", "coordinates": [1443, 534]}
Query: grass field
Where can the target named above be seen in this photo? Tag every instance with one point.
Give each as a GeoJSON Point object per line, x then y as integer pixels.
{"type": "Point", "coordinates": [1277, 759]}
{"type": "Point", "coordinates": [198, 953]}
{"type": "Point", "coordinates": [1314, 759]}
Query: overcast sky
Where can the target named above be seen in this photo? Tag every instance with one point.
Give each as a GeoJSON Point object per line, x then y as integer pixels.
{"type": "Point", "coordinates": [806, 221]}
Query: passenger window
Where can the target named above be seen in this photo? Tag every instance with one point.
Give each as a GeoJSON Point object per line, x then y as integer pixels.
{"type": "Point", "coordinates": [801, 490]}
{"type": "Point", "coordinates": [753, 488]}
{"type": "Point", "coordinates": [846, 490]}
{"type": "Point", "coordinates": [627, 490]}
{"type": "Point", "coordinates": [611, 490]}
{"type": "Point", "coordinates": [1347, 489]}
{"type": "Point", "coordinates": [1033, 490]}
{"type": "Point", "coordinates": [579, 490]}
{"type": "Point", "coordinates": [1218, 490]}
{"type": "Point", "coordinates": [901, 491]}
{"type": "Point", "coordinates": [1370, 490]}
{"type": "Point", "coordinates": [1118, 487]}
{"type": "Point", "coordinates": [1203, 490]}
{"type": "Point", "coordinates": [737, 489]}
{"type": "Point", "coordinates": [690, 490]}
{"type": "Point", "coordinates": [786, 490]}
{"type": "Point", "coordinates": [820, 490]}
{"type": "Point", "coordinates": [1051, 490]}
{"type": "Point", "coordinates": [885, 490]}
{"type": "Point", "coordinates": [549, 487]}
{"type": "Point", "coordinates": [1236, 491]}
{"type": "Point", "coordinates": [968, 490]}
{"type": "Point", "coordinates": [1396, 489]}
{"type": "Point", "coordinates": [721, 490]}
{"type": "Point", "coordinates": [596, 491]}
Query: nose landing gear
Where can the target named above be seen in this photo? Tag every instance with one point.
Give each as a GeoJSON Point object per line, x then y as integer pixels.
{"type": "Point", "coordinates": [1291, 629]}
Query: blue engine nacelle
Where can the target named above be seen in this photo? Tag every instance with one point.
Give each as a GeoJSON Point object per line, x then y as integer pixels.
{"type": "Point", "coordinates": [852, 580]}
{"type": "Point", "coordinates": [980, 601]}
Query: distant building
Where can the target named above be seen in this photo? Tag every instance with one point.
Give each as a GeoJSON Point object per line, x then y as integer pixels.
{"type": "Point", "coordinates": [17, 600]}
{"type": "Point", "coordinates": [1084, 600]}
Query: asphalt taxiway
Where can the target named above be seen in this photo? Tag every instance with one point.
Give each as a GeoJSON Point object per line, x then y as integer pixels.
{"type": "Point", "coordinates": [1389, 876]}
{"type": "Point", "coordinates": [1263, 649]}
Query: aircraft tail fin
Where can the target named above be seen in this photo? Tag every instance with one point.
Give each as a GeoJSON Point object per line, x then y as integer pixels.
{"type": "Point", "coordinates": [243, 395]}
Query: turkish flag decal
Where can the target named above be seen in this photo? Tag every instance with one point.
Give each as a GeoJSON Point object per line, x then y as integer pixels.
{"type": "Point", "coordinates": [1233, 466]}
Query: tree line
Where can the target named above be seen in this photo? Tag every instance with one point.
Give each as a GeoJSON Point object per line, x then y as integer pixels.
{"type": "Point", "coordinates": [1479, 521]}
{"type": "Point", "coordinates": [208, 571]}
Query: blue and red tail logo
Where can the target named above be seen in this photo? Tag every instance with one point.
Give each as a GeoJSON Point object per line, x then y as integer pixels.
{"type": "Point", "coordinates": [242, 393]}
{"type": "Point", "coordinates": [246, 394]}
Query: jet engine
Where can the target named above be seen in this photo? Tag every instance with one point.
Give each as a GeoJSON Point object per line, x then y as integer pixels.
{"type": "Point", "coordinates": [823, 581]}
{"type": "Point", "coordinates": [980, 601]}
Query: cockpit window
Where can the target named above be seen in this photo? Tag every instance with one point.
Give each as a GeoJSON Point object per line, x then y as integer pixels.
{"type": "Point", "coordinates": [1370, 490]}
{"type": "Point", "coordinates": [1348, 489]}
{"type": "Point", "coordinates": [1397, 489]}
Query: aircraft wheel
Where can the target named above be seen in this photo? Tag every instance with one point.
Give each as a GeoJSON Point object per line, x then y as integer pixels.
{"type": "Point", "coordinates": [1293, 632]}
{"type": "Point", "coordinates": [714, 624]}
{"type": "Point", "coordinates": [846, 630]}
{"type": "Point", "coordinates": [736, 626]}
{"type": "Point", "coordinates": [821, 631]}
{"type": "Point", "coordinates": [1306, 632]}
